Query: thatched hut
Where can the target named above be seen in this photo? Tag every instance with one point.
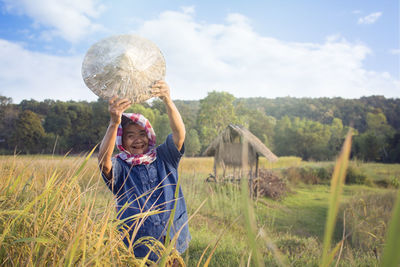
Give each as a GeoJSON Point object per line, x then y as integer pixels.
{"type": "Point", "coordinates": [230, 150]}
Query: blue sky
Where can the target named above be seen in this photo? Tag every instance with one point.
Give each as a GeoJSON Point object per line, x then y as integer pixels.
{"type": "Point", "coordinates": [249, 48]}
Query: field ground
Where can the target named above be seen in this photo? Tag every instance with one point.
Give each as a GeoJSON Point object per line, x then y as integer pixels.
{"type": "Point", "coordinates": [294, 224]}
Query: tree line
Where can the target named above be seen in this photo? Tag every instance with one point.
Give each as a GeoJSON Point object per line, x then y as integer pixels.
{"type": "Point", "coordinates": [311, 128]}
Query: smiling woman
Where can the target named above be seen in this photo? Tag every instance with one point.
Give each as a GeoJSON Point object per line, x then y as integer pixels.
{"type": "Point", "coordinates": [144, 178]}
{"type": "Point", "coordinates": [135, 139]}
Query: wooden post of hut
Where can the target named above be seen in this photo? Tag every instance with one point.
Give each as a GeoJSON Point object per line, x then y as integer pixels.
{"type": "Point", "coordinates": [227, 149]}
{"type": "Point", "coordinates": [256, 171]}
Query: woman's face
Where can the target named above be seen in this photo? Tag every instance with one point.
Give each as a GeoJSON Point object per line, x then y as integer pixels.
{"type": "Point", "coordinates": [134, 139]}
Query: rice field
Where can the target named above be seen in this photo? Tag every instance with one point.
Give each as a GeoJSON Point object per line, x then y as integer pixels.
{"type": "Point", "coordinates": [57, 211]}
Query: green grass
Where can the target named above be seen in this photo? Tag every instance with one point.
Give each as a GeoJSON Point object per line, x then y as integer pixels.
{"type": "Point", "coordinates": [391, 256]}
{"type": "Point", "coordinates": [302, 213]}
{"type": "Point", "coordinates": [64, 225]}
{"type": "Point", "coordinates": [377, 171]}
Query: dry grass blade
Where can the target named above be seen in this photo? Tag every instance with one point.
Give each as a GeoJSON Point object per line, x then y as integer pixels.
{"type": "Point", "coordinates": [279, 257]}
{"type": "Point", "coordinates": [48, 220]}
{"type": "Point", "coordinates": [343, 239]}
{"type": "Point", "coordinates": [172, 215]}
{"type": "Point", "coordinates": [250, 223]}
{"type": "Point", "coordinates": [101, 237]}
{"type": "Point", "coordinates": [334, 251]}
{"type": "Point", "coordinates": [82, 166]}
{"type": "Point", "coordinates": [14, 185]}
{"type": "Point", "coordinates": [25, 211]}
{"type": "Point", "coordinates": [215, 246]}
{"type": "Point", "coordinates": [391, 255]}
{"type": "Point", "coordinates": [35, 239]}
{"type": "Point", "coordinates": [75, 243]}
{"type": "Point", "coordinates": [337, 182]}
{"type": "Point", "coordinates": [202, 254]}
{"type": "Point", "coordinates": [169, 248]}
{"type": "Point", "coordinates": [247, 209]}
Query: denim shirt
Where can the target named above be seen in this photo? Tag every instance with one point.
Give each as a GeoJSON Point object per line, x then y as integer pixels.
{"type": "Point", "coordinates": [147, 188]}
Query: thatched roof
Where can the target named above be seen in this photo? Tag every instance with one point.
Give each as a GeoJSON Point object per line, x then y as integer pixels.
{"type": "Point", "coordinates": [231, 133]}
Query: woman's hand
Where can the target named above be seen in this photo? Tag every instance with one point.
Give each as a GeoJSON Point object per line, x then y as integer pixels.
{"type": "Point", "coordinates": [116, 107]}
{"type": "Point", "coordinates": [161, 89]}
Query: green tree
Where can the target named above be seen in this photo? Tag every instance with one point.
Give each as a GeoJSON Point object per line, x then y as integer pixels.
{"type": "Point", "coordinates": [4, 102]}
{"type": "Point", "coordinates": [216, 113]}
{"type": "Point", "coordinates": [72, 124]}
{"type": "Point", "coordinates": [262, 126]}
{"type": "Point", "coordinates": [311, 139]}
{"type": "Point", "coordinates": [301, 137]}
{"type": "Point", "coordinates": [192, 143]}
{"type": "Point", "coordinates": [366, 147]}
{"type": "Point", "coordinates": [101, 118]}
{"type": "Point", "coordinates": [149, 113]}
{"type": "Point", "coordinates": [40, 108]}
{"type": "Point", "coordinates": [374, 143]}
{"type": "Point", "coordinates": [58, 120]}
{"type": "Point", "coordinates": [394, 148]}
{"type": "Point", "coordinates": [337, 137]}
{"type": "Point", "coordinates": [29, 133]}
{"type": "Point", "coordinates": [161, 127]}
{"type": "Point", "coordinates": [283, 137]}
{"type": "Point", "coordinates": [258, 123]}
{"type": "Point", "coordinates": [8, 116]}
{"type": "Point", "coordinates": [188, 111]}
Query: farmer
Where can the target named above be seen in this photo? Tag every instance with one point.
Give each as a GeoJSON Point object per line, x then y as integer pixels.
{"type": "Point", "coordinates": [143, 177]}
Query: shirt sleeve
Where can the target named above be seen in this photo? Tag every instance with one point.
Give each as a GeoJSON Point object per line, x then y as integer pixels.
{"type": "Point", "coordinates": [169, 152]}
{"type": "Point", "coordinates": [116, 174]}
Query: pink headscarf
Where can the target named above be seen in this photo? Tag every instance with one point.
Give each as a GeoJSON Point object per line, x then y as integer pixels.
{"type": "Point", "coordinates": [137, 159]}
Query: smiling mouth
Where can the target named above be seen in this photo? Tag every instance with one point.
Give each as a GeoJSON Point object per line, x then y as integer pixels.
{"type": "Point", "coordinates": [138, 146]}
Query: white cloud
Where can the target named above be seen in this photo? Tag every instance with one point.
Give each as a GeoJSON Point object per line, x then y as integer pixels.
{"type": "Point", "coordinates": [188, 9]}
{"type": "Point", "coordinates": [370, 19]}
{"type": "Point", "coordinates": [25, 75]}
{"type": "Point", "coordinates": [395, 51]}
{"type": "Point", "coordinates": [68, 19]}
{"type": "Point", "coordinates": [232, 57]}
{"type": "Point", "coordinates": [202, 57]}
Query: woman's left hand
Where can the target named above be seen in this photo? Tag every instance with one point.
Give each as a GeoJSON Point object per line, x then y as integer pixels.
{"type": "Point", "coordinates": [161, 89]}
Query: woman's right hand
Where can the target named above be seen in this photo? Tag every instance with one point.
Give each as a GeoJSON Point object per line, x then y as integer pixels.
{"type": "Point", "coordinates": [116, 107]}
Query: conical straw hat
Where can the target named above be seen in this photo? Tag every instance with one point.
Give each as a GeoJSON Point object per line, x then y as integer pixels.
{"type": "Point", "coordinates": [123, 65]}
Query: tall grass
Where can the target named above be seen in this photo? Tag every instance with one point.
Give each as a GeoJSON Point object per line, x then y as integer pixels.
{"type": "Point", "coordinates": [47, 219]}
{"type": "Point", "coordinates": [57, 211]}
{"type": "Point", "coordinates": [251, 225]}
{"type": "Point", "coordinates": [204, 165]}
{"type": "Point", "coordinates": [338, 177]}
{"type": "Point", "coordinates": [58, 216]}
{"type": "Point", "coordinates": [282, 162]}
{"type": "Point", "coordinates": [391, 255]}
